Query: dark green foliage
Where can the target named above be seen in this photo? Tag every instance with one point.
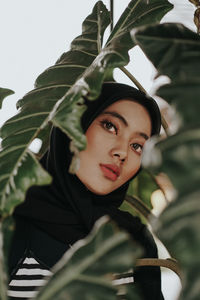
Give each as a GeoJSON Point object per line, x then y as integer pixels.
{"type": "Point", "coordinates": [175, 52]}
{"type": "Point", "coordinates": [38, 108]}
{"type": "Point", "coordinates": [58, 100]}
{"type": "Point", "coordinates": [3, 94]}
{"type": "Point", "coordinates": [88, 267]}
{"type": "Point", "coordinates": [58, 97]}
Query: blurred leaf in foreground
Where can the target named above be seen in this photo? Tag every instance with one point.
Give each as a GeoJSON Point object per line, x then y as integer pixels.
{"type": "Point", "coordinates": [175, 52]}
{"type": "Point", "coordinates": [88, 267]}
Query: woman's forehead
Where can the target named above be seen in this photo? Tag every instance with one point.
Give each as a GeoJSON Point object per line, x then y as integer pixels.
{"type": "Point", "coordinates": [130, 113]}
{"type": "Point", "coordinates": [127, 107]}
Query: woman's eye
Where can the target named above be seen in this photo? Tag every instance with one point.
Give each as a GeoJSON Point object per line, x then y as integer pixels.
{"type": "Point", "coordinates": [109, 126]}
{"type": "Point", "coordinates": [137, 147]}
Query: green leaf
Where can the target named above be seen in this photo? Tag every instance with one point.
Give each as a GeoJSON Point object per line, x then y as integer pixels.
{"type": "Point", "coordinates": [138, 198]}
{"type": "Point", "coordinates": [54, 100]}
{"type": "Point", "coordinates": [143, 186]}
{"type": "Point", "coordinates": [138, 13]}
{"type": "Point", "coordinates": [84, 49]}
{"type": "Point", "coordinates": [6, 232]}
{"type": "Point", "coordinates": [88, 267]}
{"type": "Point", "coordinates": [132, 293]}
{"type": "Point", "coordinates": [37, 109]}
{"type": "Point", "coordinates": [174, 50]}
{"type": "Point", "coordinates": [3, 273]}
{"type": "Point", "coordinates": [180, 156]}
{"type": "Point", "coordinates": [3, 94]}
{"type": "Point", "coordinates": [178, 228]}
{"type": "Point", "coordinates": [137, 207]}
{"type": "Point", "coordinates": [114, 54]}
{"type": "Point", "coordinates": [179, 96]}
{"type": "Point", "coordinates": [44, 136]}
{"type": "Point", "coordinates": [162, 42]}
{"type": "Point", "coordinates": [17, 179]}
{"type": "Point", "coordinates": [7, 226]}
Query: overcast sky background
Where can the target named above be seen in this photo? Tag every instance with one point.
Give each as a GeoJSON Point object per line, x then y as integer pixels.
{"type": "Point", "coordinates": [34, 33]}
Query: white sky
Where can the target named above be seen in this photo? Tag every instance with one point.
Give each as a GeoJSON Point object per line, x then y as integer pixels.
{"type": "Point", "coordinates": [34, 33]}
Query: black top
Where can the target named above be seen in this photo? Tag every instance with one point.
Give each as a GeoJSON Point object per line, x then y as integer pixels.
{"type": "Point", "coordinates": [28, 239]}
{"type": "Point", "coordinates": [55, 216]}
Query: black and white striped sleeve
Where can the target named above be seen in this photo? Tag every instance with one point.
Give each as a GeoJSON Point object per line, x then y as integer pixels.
{"type": "Point", "coordinates": [28, 277]}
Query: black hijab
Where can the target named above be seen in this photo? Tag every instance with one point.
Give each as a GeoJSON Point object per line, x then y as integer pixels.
{"type": "Point", "coordinates": [66, 210]}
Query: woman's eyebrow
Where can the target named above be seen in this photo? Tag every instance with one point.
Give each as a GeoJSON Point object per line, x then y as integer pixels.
{"type": "Point", "coordinates": [115, 114]}
{"type": "Point", "coordinates": [144, 135]}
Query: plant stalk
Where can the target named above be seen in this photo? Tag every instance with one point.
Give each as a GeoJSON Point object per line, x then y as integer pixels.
{"type": "Point", "coordinates": [141, 88]}
{"type": "Point", "coordinates": [111, 14]}
{"type": "Point", "coordinates": [133, 79]}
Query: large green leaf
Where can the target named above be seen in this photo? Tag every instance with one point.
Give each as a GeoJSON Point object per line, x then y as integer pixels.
{"type": "Point", "coordinates": [174, 40]}
{"type": "Point", "coordinates": [180, 159]}
{"type": "Point", "coordinates": [114, 54]}
{"type": "Point", "coordinates": [180, 153]}
{"type": "Point", "coordinates": [52, 100]}
{"type": "Point", "coordinates": [142, 12]}
{"type": "Point", "coordinates": [174, 50]}
{"type": "Point", "coordinates": [18, 167]}
{"type": "Point", "coordinates": [17, 179]}
{"type": "Point", "coordinates": [179, 95]}
{"type": "Point", "coordinates": [178, 228]}
{"type": "Point", "coordinates": [88, 267]}
{"type": "Point", "coordinates": [3, 94]}
{"type": "Point", "coordinates": [162, 43]}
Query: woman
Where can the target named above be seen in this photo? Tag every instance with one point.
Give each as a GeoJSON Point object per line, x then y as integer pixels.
{"type": "Point", "coordinates": [54, 217]}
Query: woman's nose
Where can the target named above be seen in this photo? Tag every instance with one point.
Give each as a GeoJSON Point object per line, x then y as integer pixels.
{"type": "Point", "coordinates": [120, 152]}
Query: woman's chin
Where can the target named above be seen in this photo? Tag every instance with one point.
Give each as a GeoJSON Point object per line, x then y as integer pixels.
{"type": "Point", "coordinates": [101, 191]}
{"type": "Point", "coordinates": [98, 192]}
{"type": "Point", "coordinates": [98, 185]}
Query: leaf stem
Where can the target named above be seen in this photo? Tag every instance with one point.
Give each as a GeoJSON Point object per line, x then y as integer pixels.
{"type": "Point", "coordinates": [155, 179]}
{"type": "Point", "coordinates": [111, 14]}
{"type": "Point", "coordinates": [140, 206]}
{"type": "Point", "coordinates": [141, 88]}
{"type": "Point", "coordinates": [169, 263]}
{"type": "Point", "coordinates": [164, 125]}
{"type": "Point", "coordinates": [133, 79]}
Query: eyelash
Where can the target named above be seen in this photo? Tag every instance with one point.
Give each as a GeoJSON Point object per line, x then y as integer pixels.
{"type": "Point", "coordinates": [140, 146]}
{"type": "Point", "coordinates": [106, 122]}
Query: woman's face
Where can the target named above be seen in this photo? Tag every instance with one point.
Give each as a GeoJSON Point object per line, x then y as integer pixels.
{"type": "Point", "coordinates": [114, 146]}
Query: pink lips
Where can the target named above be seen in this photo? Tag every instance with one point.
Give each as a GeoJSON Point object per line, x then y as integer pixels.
{"type": "Point", "coordinates": [111, 172]}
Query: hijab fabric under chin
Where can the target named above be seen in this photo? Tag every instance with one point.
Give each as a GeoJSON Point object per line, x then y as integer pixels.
{"type": "Point", "coordinates": [66, 209]}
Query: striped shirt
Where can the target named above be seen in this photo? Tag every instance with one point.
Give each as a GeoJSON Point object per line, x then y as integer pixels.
{"type": "Point", "coordinates": [31, 275]}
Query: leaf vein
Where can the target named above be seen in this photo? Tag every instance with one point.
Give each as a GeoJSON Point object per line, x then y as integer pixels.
{"type": "Point", "coordinates": [87, 40]}
{"type": "Point", "coordinates": [85, 52]}
{"type": "Point", "coordinates": [11, 149]}
{"type": "Point", "coordinates": [27, 116]}
{"type": "Point", "coordinates": [60, 66]}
